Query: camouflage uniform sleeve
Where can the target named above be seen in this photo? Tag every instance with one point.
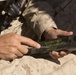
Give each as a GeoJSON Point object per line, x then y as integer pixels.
{"type": "Point", "coordinates": [39, 15]}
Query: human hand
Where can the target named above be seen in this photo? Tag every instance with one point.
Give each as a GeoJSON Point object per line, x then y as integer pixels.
{"type": "Point", "coordinates": [52, 33]}
{"type": "Point", "coordinates": [11, 46]}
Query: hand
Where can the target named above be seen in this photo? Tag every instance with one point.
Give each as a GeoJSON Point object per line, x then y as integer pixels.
{"type": "Point", "coordinates": [52, 33]}
{"type": "Point", "coordinates": [11, 46]}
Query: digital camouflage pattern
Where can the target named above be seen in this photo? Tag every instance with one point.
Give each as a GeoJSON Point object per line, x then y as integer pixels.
{"type": "Point", "coordinates": [64, 16]}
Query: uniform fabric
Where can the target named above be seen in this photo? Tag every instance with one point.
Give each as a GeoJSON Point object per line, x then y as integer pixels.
{"type": "Point", "coordinates": [39, 15]}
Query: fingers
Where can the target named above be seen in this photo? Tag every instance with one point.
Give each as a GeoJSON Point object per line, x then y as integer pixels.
{"type": "Point", "coordinates": [56, 55]}
{"type": "Point", "coordinates": [23, 49]}
{"type": "Point", "coordinates": [52, 33]}
{"type": "Point", "coordinates": [16, 51]}
{"type": "Point", "coordinates": [63, 53]}
{"type": "Point", "coordinates": [8, 56]}
{"type": "Point", "coordinates": [19, 50]}
{"type": "Point", "coordinates": [13, 52]}
{"type": "Point", "coordinates": [28, 41]}
{"type": "Point", "coordinates": [11, 46]}
{"type": "Point", "coordinates": [64, 33]}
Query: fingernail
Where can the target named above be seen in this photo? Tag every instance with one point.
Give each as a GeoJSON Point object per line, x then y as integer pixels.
{"type": "Point", "coordinates": [71, 33]}
{"type": "Point", "coordinates": [38, 45]}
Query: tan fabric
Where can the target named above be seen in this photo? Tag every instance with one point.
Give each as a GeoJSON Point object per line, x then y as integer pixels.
{"type": "Point", "coordinates": [28, 65]}
{"type": "Point", "coordinates": [21, 29]}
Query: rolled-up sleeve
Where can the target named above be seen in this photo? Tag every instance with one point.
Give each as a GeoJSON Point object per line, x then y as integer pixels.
{"type": "Point", "coordinates": [39, 16]}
